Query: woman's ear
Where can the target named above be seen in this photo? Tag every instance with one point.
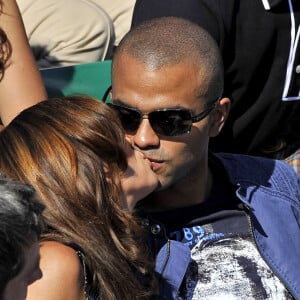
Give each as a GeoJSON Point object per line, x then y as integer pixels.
{"type": "Point", "coordinates": [219, 116]}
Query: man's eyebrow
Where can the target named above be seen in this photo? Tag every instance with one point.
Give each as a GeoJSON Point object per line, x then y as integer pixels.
{"type": "Point", "coordinates": [121, 103]}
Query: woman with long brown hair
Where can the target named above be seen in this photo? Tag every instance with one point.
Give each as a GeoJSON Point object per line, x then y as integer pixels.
{"type": "Point", "coordinates": [73, 152]}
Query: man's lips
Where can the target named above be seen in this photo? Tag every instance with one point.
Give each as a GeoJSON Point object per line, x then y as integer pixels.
{"type": "Point", "coordinates": [155, 163]}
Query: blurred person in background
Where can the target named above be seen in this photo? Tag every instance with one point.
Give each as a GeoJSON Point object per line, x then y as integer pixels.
{"type": "Point", "coordinates": [21, 224]}
{"type": "Point", "coordinates": [67, 32]}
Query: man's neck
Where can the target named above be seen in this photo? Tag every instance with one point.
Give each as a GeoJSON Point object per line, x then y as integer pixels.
{"type": "Point", "coordinates": [188, 192]}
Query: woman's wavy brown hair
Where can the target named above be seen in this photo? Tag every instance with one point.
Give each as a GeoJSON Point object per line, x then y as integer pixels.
{"type": "Point", "coordinates": [70, 150]}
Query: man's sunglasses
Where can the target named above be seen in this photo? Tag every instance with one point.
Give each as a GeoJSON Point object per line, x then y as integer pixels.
{"type": "Point", "coordinates": [165, 122]}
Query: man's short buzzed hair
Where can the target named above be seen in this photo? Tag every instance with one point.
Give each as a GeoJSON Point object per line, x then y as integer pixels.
{"type": "Point", "coordinates": [169, 41]}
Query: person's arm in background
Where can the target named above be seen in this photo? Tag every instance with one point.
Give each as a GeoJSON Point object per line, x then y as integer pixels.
{"type": "Point", "coordinates": [21, 85]}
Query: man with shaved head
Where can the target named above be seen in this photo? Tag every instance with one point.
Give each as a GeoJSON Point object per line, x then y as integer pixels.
{"type": "Point", "coordinates": [260, 45]}
{"type": "Point", "coordinates": [235, 214]}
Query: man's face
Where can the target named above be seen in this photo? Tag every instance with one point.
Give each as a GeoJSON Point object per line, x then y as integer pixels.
{"type": "Point", "coordinates": [174, 159]}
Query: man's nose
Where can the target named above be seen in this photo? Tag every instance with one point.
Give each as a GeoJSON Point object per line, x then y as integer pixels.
{"type": "Point", "coordinates": [145, 137]}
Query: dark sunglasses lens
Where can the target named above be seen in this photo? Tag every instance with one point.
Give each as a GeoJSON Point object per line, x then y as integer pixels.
{"type": "Point", "coordinates": [129, 118]}
{"type": "Point", "coordinates": [171, 122]}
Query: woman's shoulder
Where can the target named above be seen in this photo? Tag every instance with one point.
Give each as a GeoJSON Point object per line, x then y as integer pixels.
{"type": "Point", "coordinates": [62, 273]}
{"type": "Point", "coordinates": [58, 253]}
{"type": "Point", "coordinates": [61, 260]}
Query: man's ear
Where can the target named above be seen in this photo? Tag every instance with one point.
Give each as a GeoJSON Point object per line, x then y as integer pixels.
{"type": "Point", "coordinates": [219, 116]}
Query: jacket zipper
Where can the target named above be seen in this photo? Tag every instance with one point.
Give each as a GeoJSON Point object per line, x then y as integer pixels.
{"type": "Point", "coordinates": [167, 257]}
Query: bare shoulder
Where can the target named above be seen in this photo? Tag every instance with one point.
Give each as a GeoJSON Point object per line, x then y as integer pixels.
{"type": "Point", "coordinates": [62, 274]}
{"type": "Point", "coordinates": [58, 255]}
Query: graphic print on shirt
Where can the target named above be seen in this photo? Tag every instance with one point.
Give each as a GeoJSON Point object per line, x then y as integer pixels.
{"type": "Point", "coordinates": [291, 90]}
{"type": "Point", "coordinates": [226, 266]}
{"type": "Point", "coordinates": [193, 235]}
